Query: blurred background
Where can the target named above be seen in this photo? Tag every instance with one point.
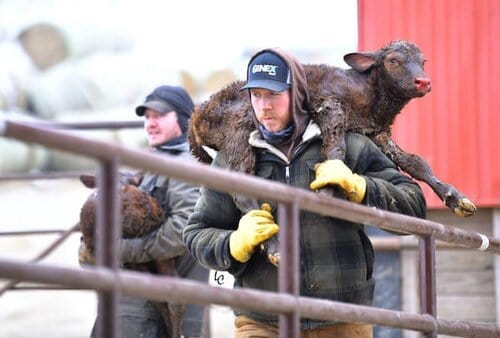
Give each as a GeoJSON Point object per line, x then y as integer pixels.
{"type": "Point", "coordinates": [77, 61]}
{"type": "Point", "coordinates": [95, 60]}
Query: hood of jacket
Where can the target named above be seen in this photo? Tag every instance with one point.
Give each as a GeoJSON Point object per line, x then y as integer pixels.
{"type": "Point", "coordinates": [299, 97]}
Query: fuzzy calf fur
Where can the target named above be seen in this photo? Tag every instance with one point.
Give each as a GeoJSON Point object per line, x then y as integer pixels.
{"type": "Point", "coordinates": [365, 99]}
{"type": "Point", "coordinates": [140, 214]}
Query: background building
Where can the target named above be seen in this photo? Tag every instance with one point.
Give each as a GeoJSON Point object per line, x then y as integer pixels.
{"type": "Point", "coordinates": [455, 129]}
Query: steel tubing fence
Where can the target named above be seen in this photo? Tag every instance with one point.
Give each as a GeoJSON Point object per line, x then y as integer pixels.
{"type": "Point", "coordinates": [188, 291]}
{"type": "Point", "coordinates": [59, 240]}
{"type": "Point", "coordinates": [291, 200]}
{"type": "Point", "coordinates": [378, 243]}
{"type": "Point", "coordinates": [223, 180]}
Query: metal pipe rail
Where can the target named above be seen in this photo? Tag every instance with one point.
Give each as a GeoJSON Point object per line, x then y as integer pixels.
{"type": "Point", "coordinates": [88, 125]}
{"type": "Point", "coordinates": [41, 175]}
{"type": "Point", "coordinates": [226, 181]}
{"type": "Point", "coordinates": [290, 201]}
{"type": "Point", "coordinates": [188, 291]}
{"type": "Point", "coordinates": [43, 254]}
{"type": "Point", "coordinates": [379, 243]}
{"type": "Point", "coordinates": [35, 232]}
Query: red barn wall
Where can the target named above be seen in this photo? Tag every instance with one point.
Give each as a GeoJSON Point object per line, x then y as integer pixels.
{"type": "Point", "coordinates": [456, 127]}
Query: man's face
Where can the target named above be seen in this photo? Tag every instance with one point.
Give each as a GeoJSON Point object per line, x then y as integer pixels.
{"type": "Point", "coordinates": [160, 127]}
{"type": "Point", "coordinates": [272, 109]}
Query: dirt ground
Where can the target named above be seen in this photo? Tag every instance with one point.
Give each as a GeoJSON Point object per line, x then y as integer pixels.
{"type": "Point", "coordinates": [55, 204]}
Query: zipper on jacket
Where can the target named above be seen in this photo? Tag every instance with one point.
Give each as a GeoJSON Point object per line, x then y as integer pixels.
{"type": "Point", "coordinates": [287, 174]}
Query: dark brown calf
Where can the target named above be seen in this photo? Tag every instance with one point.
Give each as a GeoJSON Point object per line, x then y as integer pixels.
{"type": "Point", "coordinates": [365, 99]}
{"type": "Point", "coordinates": [140, 214]}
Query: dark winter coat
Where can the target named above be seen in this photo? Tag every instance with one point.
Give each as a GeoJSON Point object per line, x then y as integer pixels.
{"type": "Point", "coordinates": [336, 257]}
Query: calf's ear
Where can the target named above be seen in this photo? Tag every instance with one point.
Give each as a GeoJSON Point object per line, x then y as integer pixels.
{"type": "Point", "coordinates": [88, 181]}
{"type": "Point", "coordinates": [133, 178]}
{"type": "Point", "coordinates": [360, 61]}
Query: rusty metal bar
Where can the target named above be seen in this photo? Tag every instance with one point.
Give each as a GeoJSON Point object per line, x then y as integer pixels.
{"type": "Point", "coordinates": [44, 288]}
{"type": "Point", "coordinates": [428, 274]}
{"type": "Point", "coordinates": [381, 218]}
{"type": "Point", "coordinates": [379, 243]}
{"type": "Point", "coordinates": [35, 232]}
{"type": "Point", "coordinates": [382, 243]}
{"type": "Point", "coordinates": [427, 269]}
{"type": "Point", "coordinates": [40, 175]}
{"type": "Point", "coordinates": [87, 124]}
{"type": "Point", "coordinates": [182, 290]}
{"type": "Point", "coordinates": [223, 180]}
{"type": "Point", "coordinates": [43, 254]}
{"type": "Point", "coordinates": [289, 273]}
{"type": "Point", "coordinates": [107, 235]}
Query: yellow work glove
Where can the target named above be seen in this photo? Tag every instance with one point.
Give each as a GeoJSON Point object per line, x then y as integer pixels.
{"type": "Point", "coordinates": [254, 228]}
{"type": "Point", "coordinates": [335, 172]}
{"type": "Point", "coordinates": [85, 257]}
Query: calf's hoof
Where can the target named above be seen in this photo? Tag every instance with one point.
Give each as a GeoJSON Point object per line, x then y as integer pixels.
{"type": "Point", "coordinates": [459, 204]}
{"type": "Point", "coordinates": [465, 208]}
{"type": "Point", "coordinates": [274, 259]}
{"type": "Point", "coordinates": [270, 248]}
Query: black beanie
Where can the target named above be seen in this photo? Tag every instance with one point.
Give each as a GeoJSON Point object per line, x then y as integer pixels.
{"type": "Point", "coordinates": [167, 98]}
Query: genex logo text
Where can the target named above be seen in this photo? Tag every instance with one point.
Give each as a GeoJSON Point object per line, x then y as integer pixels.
{"type": "Point", "coordinates": [270, 69]}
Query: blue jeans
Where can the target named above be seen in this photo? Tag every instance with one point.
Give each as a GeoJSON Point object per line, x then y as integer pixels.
{"type": "Point", "coordinates": [138, 318]}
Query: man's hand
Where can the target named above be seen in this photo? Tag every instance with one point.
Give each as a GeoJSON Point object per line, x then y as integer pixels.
{"type": "Point", "coordinates": [335, 172]}
{"type": "Point", "coordinates": [254, 228]}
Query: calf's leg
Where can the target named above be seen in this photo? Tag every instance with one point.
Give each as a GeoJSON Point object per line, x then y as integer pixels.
{"type": "Point", "coordinates": [419, 169]}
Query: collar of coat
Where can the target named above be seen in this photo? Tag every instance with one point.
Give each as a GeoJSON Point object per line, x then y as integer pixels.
{"type": "Point", "coordinates": [256, 140]}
